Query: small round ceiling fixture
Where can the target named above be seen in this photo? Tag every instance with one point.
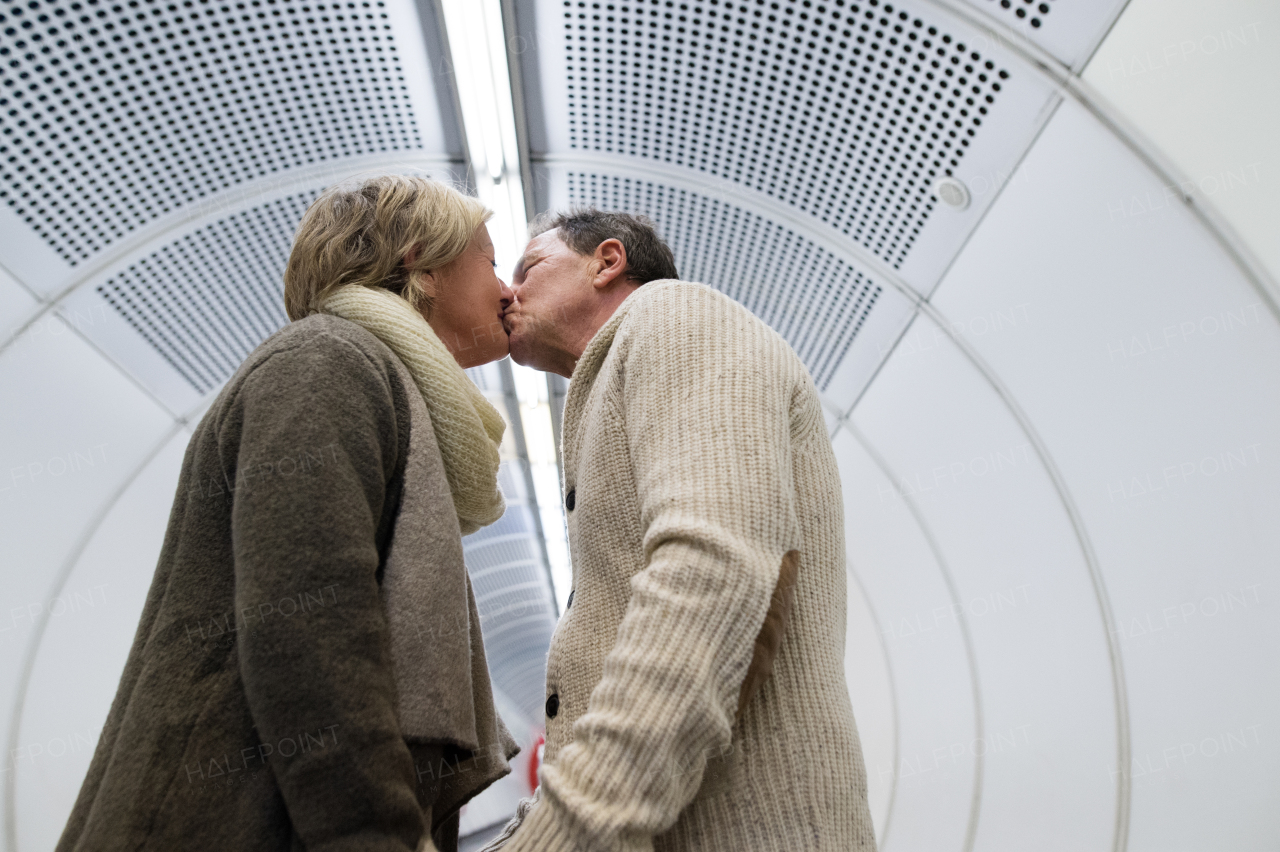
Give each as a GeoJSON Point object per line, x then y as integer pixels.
{"type": "Point", "coordinates": [952, 192]}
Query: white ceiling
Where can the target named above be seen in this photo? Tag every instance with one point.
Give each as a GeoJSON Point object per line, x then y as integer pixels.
{"type": "Point", "coordinates": [1056, 427]}
{"type": "Point", "coordinates": [1194, 79]}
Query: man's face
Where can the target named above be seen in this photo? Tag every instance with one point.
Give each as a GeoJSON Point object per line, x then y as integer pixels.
{"type": "Point", "coordinates": [552, 284]}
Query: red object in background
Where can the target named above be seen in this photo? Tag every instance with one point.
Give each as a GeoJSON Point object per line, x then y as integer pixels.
{"type": "Point", "coordinates": [535, 760]}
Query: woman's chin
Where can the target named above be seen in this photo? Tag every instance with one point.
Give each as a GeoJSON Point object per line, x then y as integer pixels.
{"type": "Point", "coordinates": [496, 351]}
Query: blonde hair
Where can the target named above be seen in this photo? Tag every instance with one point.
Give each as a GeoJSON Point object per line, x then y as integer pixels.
{"type": "Point", "coordinates": [360, 231]}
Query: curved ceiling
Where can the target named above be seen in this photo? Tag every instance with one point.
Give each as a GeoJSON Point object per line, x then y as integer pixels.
{"type": "Point", "coordinates": [1050, 380]}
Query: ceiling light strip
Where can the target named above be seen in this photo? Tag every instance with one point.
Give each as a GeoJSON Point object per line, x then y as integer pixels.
{"type": "Point", "coordinates": [476, 39]}
{"type": "Point", "coordinates": [478, 50]}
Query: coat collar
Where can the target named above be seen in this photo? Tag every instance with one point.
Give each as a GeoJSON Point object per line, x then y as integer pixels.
{"type": "Point", "coordinates": [437, 651]}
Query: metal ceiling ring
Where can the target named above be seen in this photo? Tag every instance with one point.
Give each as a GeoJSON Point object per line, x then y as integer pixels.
{"type": "Point", "coordinates": [37, 638]}
{"type": "Point", "coordinates": [979, 722]}
{"type": "Point", "coordinates": [893, 703]}
{"type": "Point", "coordinates": [1118, 683]}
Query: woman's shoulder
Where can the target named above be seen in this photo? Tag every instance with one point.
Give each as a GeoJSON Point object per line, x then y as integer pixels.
{"type": "Point", "coordinates": [323, 353]}
{"type": "Point", "coordinates": [314, 346]}
{"type": "Point", "coordinates": [325, 337]}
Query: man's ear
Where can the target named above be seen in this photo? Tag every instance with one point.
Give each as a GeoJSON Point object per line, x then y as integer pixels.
{"type": "Point", "coordinates": [611, 263]}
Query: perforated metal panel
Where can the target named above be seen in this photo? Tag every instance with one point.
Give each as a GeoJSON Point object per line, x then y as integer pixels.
{"type": "Point", "coordinates": [1068, 29]}
{"type": "Point", "coordinates": [815, 300]}
{"type": "Point", "coordinates": [115, 114]}
{"type": "Point", "coordinates": [847, 111]}
{"type": "Point", "coordinates": [1034, 12]}
{"type": "Point", "coordinates": [207, 300]}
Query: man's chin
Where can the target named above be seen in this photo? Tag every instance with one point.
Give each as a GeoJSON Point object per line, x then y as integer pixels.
{"type": "Point", "coordinates": [516, 350]}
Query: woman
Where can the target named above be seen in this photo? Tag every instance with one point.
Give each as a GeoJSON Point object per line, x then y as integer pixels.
{"type": "Point", "coordinates": [308, 671]}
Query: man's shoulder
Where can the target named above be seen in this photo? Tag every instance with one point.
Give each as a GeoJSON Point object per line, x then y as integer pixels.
{"type": "Point", "coordinates": [676, 309]}
{"type": "Point", "coordinates": [672, 304]}
{"type": "Point", "coordinates": [666, 292]}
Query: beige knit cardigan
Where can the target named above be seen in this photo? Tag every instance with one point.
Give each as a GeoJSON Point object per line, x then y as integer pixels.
{"type": "Point", "coordinates": [695, 457]}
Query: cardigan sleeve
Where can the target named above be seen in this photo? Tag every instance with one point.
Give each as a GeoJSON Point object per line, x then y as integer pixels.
{"type": "Point", "coordinates": [705, 403]}
{"type": "Point", "coordinates": [315, 449]}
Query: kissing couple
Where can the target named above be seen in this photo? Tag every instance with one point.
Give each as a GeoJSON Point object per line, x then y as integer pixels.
{"type": "Point", "coordinates": [695, 689]}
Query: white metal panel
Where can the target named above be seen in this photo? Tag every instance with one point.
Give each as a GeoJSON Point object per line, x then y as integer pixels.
{"type": "Point", "coordinates": [882, 328]}
{"type": "Point", "coordinates": [93, 619]}
{"type": "Point", "coordinates": [819, 300]}
{"type": "Point", "coordinates": [841, 317]}
{"type": "Point", "coordinates": [1151, 369]}
{"type": "Point", "coordinates": [866, 670]}
{"type": "Point", "coordinates": [181, 309]}
{"type": "Point", "coordinates": [925, 788]}
{"type": "Point", "coordinates": [123, 342]}
{"type": "Point", "coordinates": [27, 257]}
{"type": "Point", "coordinates": [182, 313]}
{"type": "Point", "coordinates": [418, 72]}
{"type": "Point", "coordinates": [1196, 79]}
{"type": "Point", "coordinates": [1023, 588]}
{"type": "Point", "coordinates": [16, 306]}
{"type": "Point", "coordinates": [72, 429]}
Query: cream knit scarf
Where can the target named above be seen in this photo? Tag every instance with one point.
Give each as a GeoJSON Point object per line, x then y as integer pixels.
{"type": "Point", "coordinates": [468, 428]}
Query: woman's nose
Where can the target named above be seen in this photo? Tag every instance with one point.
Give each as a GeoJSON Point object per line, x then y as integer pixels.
{"type": "Point", "coordinates": [506, 293]}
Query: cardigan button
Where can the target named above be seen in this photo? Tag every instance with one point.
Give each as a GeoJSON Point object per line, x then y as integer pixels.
{"type": "Point", "coordinates": [570, 601]}
{"type": "Point", "coordinates": [569, 501]}
{"type": "Point", "coordinates": [553, 705]}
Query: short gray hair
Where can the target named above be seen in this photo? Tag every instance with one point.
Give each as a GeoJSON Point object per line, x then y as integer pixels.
{"type": "Point", "coordinates": [583, 229]}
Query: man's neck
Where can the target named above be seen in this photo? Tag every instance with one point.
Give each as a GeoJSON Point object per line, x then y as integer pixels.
{"type": "Point", "coordinates": [606, 308]}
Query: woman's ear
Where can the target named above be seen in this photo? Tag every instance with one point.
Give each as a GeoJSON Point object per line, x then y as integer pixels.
{"type": "Point", "coordinates": [425, 284]}
{"type": "Point", "coordinates": [422, 283]}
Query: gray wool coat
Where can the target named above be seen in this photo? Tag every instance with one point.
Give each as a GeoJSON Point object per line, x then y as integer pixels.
{"type": "Point", "coordinates": [308, 672]}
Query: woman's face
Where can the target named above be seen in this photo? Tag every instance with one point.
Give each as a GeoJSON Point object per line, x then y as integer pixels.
{"type": "Point", "coordinates": [469, 302]}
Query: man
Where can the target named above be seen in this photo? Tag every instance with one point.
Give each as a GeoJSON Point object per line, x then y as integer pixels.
{"type": "Point", "coordinates": [695, 686]}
